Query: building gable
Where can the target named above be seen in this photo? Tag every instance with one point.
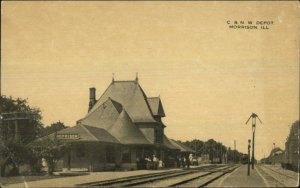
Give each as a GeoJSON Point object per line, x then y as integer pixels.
{"type": "Point", "coordinates": [131, 96]}
{"type": "Point", "coordinates": [126, 131]}
{"type": "Point", "coordinates": [104, 115]}
{"type": "Point", "coordinates": [112, 117]}
{"type": "Point", "coordinates": [156, 106]}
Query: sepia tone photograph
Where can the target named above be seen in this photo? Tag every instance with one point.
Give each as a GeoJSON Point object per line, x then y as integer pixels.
{"type": "Point", "coordinates": [149, 94]}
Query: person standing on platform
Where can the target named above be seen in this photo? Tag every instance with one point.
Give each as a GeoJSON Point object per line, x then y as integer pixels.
{"type": "Point", "coordinates": [183, 161]}
{"type": "Point", "coordinates": [155, 162]}
{"type": "Point", "coordinates": [160, 164]}
{"type": "Point", "coordinates": [148, 161]}
{"type": "Point", "coordinates": [177, 162]}
{"type": "Point", "coordinates": [188, 162]}
{"type": "Point", "coordinates": [191, 159]}
{"type": "Point", "coordinates": [180, 162]}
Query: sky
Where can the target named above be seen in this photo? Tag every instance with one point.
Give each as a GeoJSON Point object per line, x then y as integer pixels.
{"type": "Point", "coordinates": [209, 77]}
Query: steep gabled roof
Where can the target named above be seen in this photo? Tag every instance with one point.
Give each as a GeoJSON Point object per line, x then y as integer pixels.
{"type": "Point", "coordinates": [104, 115]}
{"type": "Point", "coordinates": [126, 131]}
{"type": "Point", "coordinates": [117, 105]}
{"type": "Point", "coordinates": [82, 133]}
{"type": "Point", "coordinates": [156, 106]}
{"type": "Point", "coordinates": [131, 96]}
{"type": "Point", "coordinates": [101, 134]}
{"type": "Point", "coordinates": [112, 117]}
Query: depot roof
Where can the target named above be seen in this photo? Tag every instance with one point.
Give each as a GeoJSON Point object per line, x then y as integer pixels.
{"type": "Point", "coordinates": [156, 106]}
{"type": "Point", "coordinates": [112, 117]}
{"type": "Point", "coordinates": [181, 147]}
{"type": "Point", "coordinates": [131, 96]}
{"type": "Point", "coordinates": [81, 133]}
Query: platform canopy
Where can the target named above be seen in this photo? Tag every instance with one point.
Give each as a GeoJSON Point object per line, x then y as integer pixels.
{"type": "Point", "coordinates": [183, 148]}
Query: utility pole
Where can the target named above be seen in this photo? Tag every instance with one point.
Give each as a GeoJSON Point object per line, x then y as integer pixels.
{"type": "Point", "coordinates": [249, 146]}
{"type": "Point", "coordinates": [196, 154]}
{"type": "Point", "coordinates": [234, 144]}
{"type": "Point", "coordinates": [0, 76]}
{"type": "Point", "coordinates": [234, 157]}
{"type": "Point", "coordinates": [273, 153]}
{"type": "Point", "coordinates": [253, 116]}
{"type": "Point", "coordinates": [227, 155]}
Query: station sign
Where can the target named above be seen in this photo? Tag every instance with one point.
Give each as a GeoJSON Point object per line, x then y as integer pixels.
{"type": "Point", "coordinates": [67, 136]}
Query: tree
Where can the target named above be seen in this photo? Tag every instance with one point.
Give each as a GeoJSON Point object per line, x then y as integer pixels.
{"type": "Point", "coordinates": [3, 157]}
{"type": "Point", "coordinates": [14, 152]}
{"type": "Point", "coordinates": [49, 149]}
{"type": "Point", "coordinates": [196, 145]}
{"type": "Point", "coordinates": [10, 104]}
{"type": "Point", "coordinates": [211, 147]}
{"type": "Point", "coordinates": [54, 127]}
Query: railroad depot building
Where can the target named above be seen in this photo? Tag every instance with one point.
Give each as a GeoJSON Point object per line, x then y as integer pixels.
{"type": "Point", "coordinates": [120, 129]}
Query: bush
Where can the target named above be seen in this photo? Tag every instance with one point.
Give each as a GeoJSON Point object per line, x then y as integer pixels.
{"type": "Point", "coordinates": [49, 149]}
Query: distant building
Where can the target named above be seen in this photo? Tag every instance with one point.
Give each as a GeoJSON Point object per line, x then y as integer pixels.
{"type": "Point", "coordinates": [276, 156]}
{"type": "Point", "coordinates": [292, 144]}
{"type": "Point", "coordinates": [290, 157]}
{"type": "Point", "coordinates": [120, 129]}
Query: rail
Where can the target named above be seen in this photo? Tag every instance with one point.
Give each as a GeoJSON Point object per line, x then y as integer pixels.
{"type": "Point", "coordinates": [188, 176]}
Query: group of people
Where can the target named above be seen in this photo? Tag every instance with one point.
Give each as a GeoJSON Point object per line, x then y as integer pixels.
{"type": "Point", "coordinates": [148, 163]}
{"type": "Point", "coordinates": [184, 161]}
{"type": "Point", "coordinates": [153, 162]}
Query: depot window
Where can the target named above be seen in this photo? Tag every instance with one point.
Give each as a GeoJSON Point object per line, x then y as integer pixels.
{"type": "Point", "coordinates": [126, 158]}
{"type": "Point", "coordinates": [110, 154]}
{"type": "Point", "coordinates": [80, 150]}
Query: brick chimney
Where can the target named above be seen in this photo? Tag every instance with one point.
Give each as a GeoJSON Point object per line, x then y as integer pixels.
{"type": "Point", "coordinates": [92, 98]}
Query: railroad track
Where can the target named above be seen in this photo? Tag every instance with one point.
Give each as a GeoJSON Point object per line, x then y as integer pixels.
{"type": "Point", "coordinates": [138, 177]}
{"type": "Point", "coordinates": [288, 176]}
{"type": "Point", "coordinates": [179, 178]}
{"type": "Point", "coordinates": [204, 179]}
{"type": "Point", "coordinates": [276, 179]}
